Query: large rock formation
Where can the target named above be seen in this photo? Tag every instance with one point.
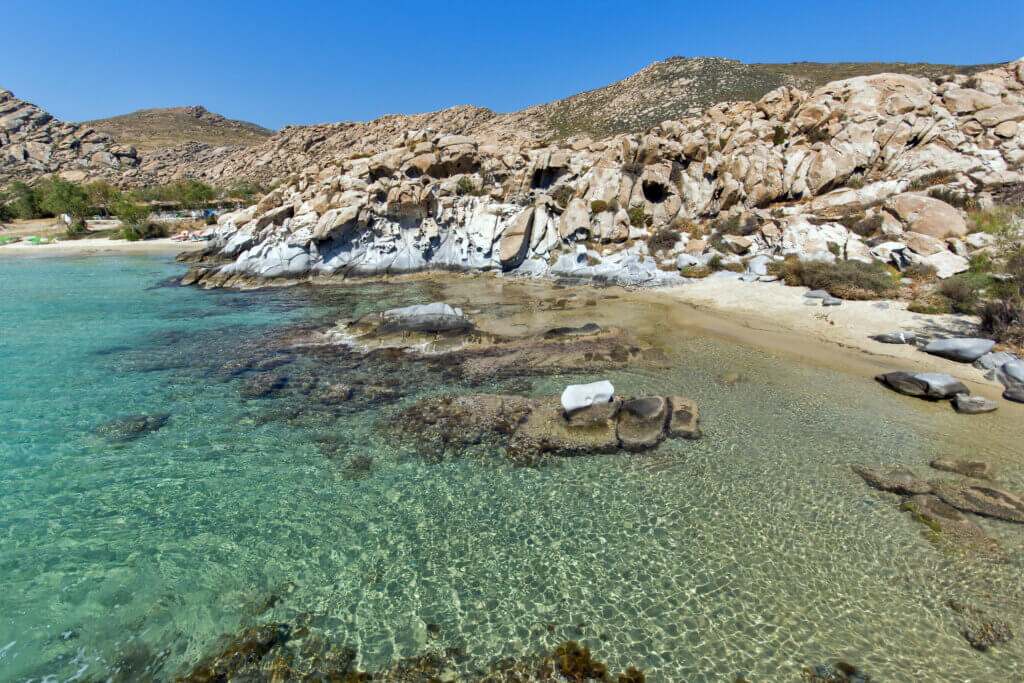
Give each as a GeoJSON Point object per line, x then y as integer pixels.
{"type": "Point", "coordinates": [33, 142]}
{"type": "Point", "coordinates": [784, 164]}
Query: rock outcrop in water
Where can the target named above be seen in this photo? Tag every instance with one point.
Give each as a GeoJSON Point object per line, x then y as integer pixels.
{"type": "Point", "coordinates": [786, 174]}
{"type": "Point", "coordinates": [531, 430]}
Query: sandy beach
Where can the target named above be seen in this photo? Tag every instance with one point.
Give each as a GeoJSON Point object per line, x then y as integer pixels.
{"type": "Point", "coordinates": [98, 245]}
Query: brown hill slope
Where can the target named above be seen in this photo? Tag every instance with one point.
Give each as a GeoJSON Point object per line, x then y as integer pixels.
{"type": "Point", "coordinates": [151, 129]}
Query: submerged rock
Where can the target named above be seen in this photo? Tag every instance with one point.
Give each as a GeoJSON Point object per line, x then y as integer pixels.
{"type": "Point", "coordinates": [982, 499]}
{"type": "Point", "coordinates": [988, 633]}
{"type": "Point", "coordinates": [262, 385]}
{"type": "Point", "coordinates": [950, 527]}
{"type": "Point", "coordinates": [977, 469]}
{"type": "Point", "coordinates": [642, 423]}
{"type": "Point", "coordinates": [973, 405]}
{"type": "Point", "coordinates": [435, 317]}
{"type": "Point", "coordinates": [583, 330]}
{"type": "Point", "coordinates": [839, 672]}
{"type": "Point", "coordinates": [131, 427]}
{"type": "Point", "coordinates": [241, 657]}
{"type": "Point", "coordinates": [894, 478]}
{"type": "Point", "coordinates": [529, 430]}
{"type": "Point", "coordinates": [962, 350]}
{"type": "Point", "coordinates": [932, 385]}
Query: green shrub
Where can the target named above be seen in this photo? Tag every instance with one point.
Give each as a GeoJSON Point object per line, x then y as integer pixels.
{"type": "Point", "coordinates": [929, 179]}
{"type": "Point", "coordinates": [562, 195]}
{"type": "Point", "coordinates": [845, 279]}
{"type": "Point", "coordinates": [920, 271]}
{"type": "Point", "coordinates": [148, 230]}
{"type": "Point", "coordinates": [637, 217]}
{"type": "Point", "coordinates": [662, 240]}
{"type": "Point", "coordinates": [780, 136]}
{"type": "Point", "coordinates": [997, 221]}
{"type": "Point", "coordinates": [963, 292]}
{"type": "Point", "coordinates": [633, 168]}
{"type": "Point", "coordinates": [1003, 317]}
{"type": "Point", "coordinates": [867, 226]}
{"type": "Point", "coordinates": [715, 263]}
{"type": "Point", "coordinates": [957, 199]}
{"type": "Point", "coordinates": [598, 206]}
{"type": "Point", "coordinates": [465, 187]}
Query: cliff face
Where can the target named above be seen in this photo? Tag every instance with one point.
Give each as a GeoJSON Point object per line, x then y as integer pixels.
{"type": "Point", "coordinates": [32, 143]}
{"type": "Point", "coordinates": [791, 164]}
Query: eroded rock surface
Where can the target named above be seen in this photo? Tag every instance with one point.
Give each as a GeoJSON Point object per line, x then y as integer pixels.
{"type": "Point", "coordinates": [978, 469]}
{"type": "Point", "coordinates": [892, 478]}
{"type": "Point", "coordinates": [982, 499]}
{"type": "Point", "coordinates": [532, 429]}
{"type": "Point", "coordinates": [950, 527]}
{"type": "Point", "coordinates": [131, 427]}
{"type": "Point", "coordinates": [931, 385]}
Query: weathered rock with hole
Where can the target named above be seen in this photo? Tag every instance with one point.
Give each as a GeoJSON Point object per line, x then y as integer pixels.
{"type": "Point", "coordinates": [641, 424]}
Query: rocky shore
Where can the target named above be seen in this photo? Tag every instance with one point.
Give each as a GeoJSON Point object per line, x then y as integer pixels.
{"type": "Point", "coordinates": [859, 170]}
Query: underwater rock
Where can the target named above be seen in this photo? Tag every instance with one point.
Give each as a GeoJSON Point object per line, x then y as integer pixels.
{"type": "Point", "coordinates": [532, 429]}
{"type": "Point", "coordinates": [131, 427]}
{"type": "Point", "coordinates": [358, 467]}
{"type": "Point", "coordinates": [262, 385]}
{"type": "Point", "coordinates": [335, 393]}
{"type": "Point", "coordinates": [577, 396]}
{"type": "Point", "coordinates": [241, 657]}
{"type": "Point", "coordinates": [684, 418]}
{"type": "Point", "coordinates": [839, 672]}
{"type": "Point", "coordinates": [581, 331]}
{"type": "Point", "coordinates": [968, 468]}
{"type": "Point", "coordinates": [896, 479]}
{"type": "Point", "coordinates": [950, 527]}
{"type": "Point", "coordinates": [978, 628]}
{"type": "Point", "coordinates": [982, 499]}
{"type": "Point", "coordinates": [931, 385]}
{"type": "Point", "coordinates": [433, 318]}
{"type": "Point", "coordinates": [973, 405]}
{"type": "Point", "coordinates": [962, 350]}
{"type": "Point", "coordinates": [642, 422]}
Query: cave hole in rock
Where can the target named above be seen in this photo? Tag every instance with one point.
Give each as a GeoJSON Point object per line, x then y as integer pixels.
{"type": "Point", "coordinates": [654, 192]}
{"type": "Point", "coordinates": [543, 178]}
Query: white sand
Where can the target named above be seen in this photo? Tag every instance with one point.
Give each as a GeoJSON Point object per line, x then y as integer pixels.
{"type": "Point", "coordinates": [98, 245]}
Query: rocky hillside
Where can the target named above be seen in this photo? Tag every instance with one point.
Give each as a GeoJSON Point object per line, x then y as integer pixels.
{"type": "Point", "coordinates": [192, 142]}
{"type": "Point", "coordinates": [33, 142]}
{"type": "Point", "coordinates": [827, 175]}
{"type": "Point", "coordinates": [151, 129]}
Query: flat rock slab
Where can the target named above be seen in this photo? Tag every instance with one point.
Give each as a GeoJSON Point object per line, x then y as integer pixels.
{"type": "Point", "coordinates": [816, 294]}
{"type": "Point", "coordinates": [642, 422]}
{"type": "Point", "coordinates": [982, 499]}
{"type": "Point", "coordinates": [968, 468]}
{"type": "Point", "coordinates": [962, 350]}
{"type": "Point", "coordinates": [597, 414]}
{"type": "Point", "coordinates": [547, 430]}
{"type": "Point", "coordinates": [951, 527]}
{"type": "Point", "coordinates": [684, 418]}
{"type": "Point", "coordinates": [973, 405]}
{"type": "Point", "coordinates": [893, 478]}
{"type": "Point", "coordinates": [933, 385]}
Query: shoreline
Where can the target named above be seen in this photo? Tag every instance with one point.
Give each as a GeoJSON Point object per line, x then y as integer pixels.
{"type": "Point", "coordinates": [99, 245]}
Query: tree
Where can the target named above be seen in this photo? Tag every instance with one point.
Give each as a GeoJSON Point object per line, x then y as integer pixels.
{"type": "Point", "coordinates": [190, 193]}
{"type": "Point", "coordinates": [128, 212]}
{"type": "Point", "coordinates": [102, 195]}
{"type": "Point", "coordinates": [60, 196]}
{"type": "Point", "coordinates": [25, 200]}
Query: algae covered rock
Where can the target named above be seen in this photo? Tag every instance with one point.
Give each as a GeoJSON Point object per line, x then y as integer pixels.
{"type": "Point", "coordinates": [950, 528]}
{"type": "Point", "coordinates": [982, 499]}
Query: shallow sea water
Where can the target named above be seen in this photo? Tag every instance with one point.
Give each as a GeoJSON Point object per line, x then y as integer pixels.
{"type": "Point", "coordinates": [753, 552]}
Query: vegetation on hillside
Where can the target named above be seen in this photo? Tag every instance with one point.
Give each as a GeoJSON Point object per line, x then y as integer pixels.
{"type": "Point", "coordinates": [150, 129]}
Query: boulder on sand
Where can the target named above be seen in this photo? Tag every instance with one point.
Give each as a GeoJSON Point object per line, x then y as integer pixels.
{"type": "Point", "coordinates": [1011, 375]}
{"type": "Point", "coordinates": [577, 396]}
{"type": "Point", "coordinates": [962, 350]}
{"type": "Point", "coordinates": [895, 338]}
{"type": "Point", "coordinates": [973, 405]}
{"type": "Point", "coordinates": [933, 385]}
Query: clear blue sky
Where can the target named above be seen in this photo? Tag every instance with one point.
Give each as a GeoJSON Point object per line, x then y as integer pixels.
{"type": "Point", "coordinates": [296, 61]}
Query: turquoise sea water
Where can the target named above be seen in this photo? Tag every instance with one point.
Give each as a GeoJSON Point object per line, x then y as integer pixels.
{"type": "Point", "coordinates": [753, 552]}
